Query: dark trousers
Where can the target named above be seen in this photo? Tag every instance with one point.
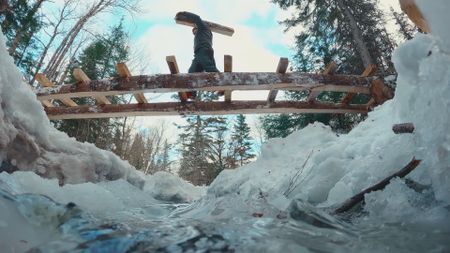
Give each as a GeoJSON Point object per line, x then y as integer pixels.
{"type": "Point", "coordinates": [203, 61]}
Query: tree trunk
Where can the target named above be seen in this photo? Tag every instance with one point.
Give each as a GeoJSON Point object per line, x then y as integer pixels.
{"type": "Point", "coordinates": [403, 128]}
{"type": "Point", "coordinates": [19, 33]}
{"type": "Point", "coordinates": [3, 5]}
{"type": "Point", "coordinates": [351, 202]}
{"type": "Point", "coordinates": [357, 36]}
{"type": "Point", "coordinates": [66, 68]}
{"type": "Point", "coordinates": [56, 60]}
{"type": "Point", "coordinates": [55, 33]}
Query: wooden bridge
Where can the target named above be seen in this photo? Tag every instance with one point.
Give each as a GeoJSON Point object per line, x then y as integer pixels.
{"type": "Point", "coordinates": [226, 82]}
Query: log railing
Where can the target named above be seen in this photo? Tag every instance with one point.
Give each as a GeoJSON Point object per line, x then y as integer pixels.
{"type": "Point", "coordinates": [225, 83]}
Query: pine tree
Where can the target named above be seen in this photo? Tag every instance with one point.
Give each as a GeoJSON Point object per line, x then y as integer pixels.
{"type": "Point", "coordinates": [349, 32]}
{"type": "Point", "coordinates": [136, 157]}
{"type": "Point", "coordinates": [20, 23]}
{"type": "Point", "coordinates": [405, 28]}
{"type": "Point", "coordinates": [217, 132]}
{"type": "Point", "coordinates": [98, 61]}
{"type": "Point", "coordinates": [242, 151]}
{"type": "Point", "coordinates": [165, 158]}
{"type": "Point", "coordinates": [195, 165]}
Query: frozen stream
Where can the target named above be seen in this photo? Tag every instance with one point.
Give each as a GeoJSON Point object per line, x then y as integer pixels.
{"type": "Point", "coordinates": [42, 225]}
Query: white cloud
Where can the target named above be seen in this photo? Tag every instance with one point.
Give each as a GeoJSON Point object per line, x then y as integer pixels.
{"type": "Point", "coordinates": [248, 45]}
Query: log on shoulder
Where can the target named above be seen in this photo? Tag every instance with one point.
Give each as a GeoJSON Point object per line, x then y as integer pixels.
{"type": "Point", "coordinates": [217, 28]}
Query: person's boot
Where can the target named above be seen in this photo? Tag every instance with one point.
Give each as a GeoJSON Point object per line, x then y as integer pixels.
{"type": "Point", "coordinates": [191, 95]}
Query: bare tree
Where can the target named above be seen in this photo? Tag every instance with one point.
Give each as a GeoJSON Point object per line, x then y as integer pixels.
{"type": "Point", "coordinates": [95, 8]}
{"type": "Point", "coordinates": [65, 14]}
{"type": "Point", "coordinates": [19, 32]}
{"type": "Point", "coordinates": [154, 147]}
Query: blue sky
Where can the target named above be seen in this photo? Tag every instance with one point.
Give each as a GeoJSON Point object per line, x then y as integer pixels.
{"type": "Point", "coordinates": [258, 43]}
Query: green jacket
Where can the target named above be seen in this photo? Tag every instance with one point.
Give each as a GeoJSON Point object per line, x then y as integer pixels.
{"type": "Point", "coordinates": [203, 38]}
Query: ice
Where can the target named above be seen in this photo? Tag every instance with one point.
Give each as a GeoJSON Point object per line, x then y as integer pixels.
{"type": "Point", "coordinates": [117, 196]}
{"type": "Point", "coordinates": [341, 166]}
{"type": "Point", "coordinates": [167, 187]}
{"type": "Point", "coordinates": [29, 142]}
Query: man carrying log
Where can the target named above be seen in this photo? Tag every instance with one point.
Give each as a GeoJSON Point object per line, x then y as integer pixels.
{"type": "Point", "coordinates": [203, 51]}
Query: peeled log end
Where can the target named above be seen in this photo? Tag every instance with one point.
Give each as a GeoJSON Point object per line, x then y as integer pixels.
{"type": "Point", "coordinates": [403, 128]}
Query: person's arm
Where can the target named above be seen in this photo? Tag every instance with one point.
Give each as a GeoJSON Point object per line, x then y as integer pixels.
{"type": "Point", "coordinates": [191, 17]}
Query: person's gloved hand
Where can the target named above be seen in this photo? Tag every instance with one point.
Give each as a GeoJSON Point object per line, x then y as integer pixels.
{"type": "Point", "coordinates": [185, 16]}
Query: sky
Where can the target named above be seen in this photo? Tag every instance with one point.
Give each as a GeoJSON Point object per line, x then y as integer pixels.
{"type": "Point", "coordinates": [256, 46]}
{"type": "Point", "coordinates": [258, 43]}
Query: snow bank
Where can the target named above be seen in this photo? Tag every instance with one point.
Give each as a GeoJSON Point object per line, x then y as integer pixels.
{"type": "Point", "coordinates": [29, 142]}
{"type": "Point", "coordinates": [316, 165]}
{"type": "Point", "coordinates": [115, 196]}
{"type": "Point", "coordinates": [168, 187]}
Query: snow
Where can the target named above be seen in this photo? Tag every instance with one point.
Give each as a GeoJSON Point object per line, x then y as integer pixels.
{"type": "Point", "coordinates": [29, 142]}
{"type": "Point", "coordinates": [117, 196]}
{"type": "Point", "coordinates": [317, 166]}
{"type": "Point", "coordinates": [167, 187]}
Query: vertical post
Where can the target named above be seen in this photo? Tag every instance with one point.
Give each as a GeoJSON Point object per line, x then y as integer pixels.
{"type": "Point", "coordinates": [82, 77]}
{"type": "Point", "coordinates": [228, 67]}
{"type": "Point", "coordinates": [329, 70]}
{"type": "Point", "coordinates": [369, 71]}
{"type": "Point", "coordinates": [124, 72]}
{"type": "Point", "coordinates": [281, 69]}
{"type": "Point", "coordinates": [173, 67]}
{"type": "Point", "coordinates": [43, 80]}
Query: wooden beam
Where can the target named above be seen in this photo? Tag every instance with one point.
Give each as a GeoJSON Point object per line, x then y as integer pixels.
{"type": "Point", "coordinates": [330, 69]}
{"type": "Point", "coordinates": [369, 71]}
{"type": "Point", "coordinates": [217, 28]}
{"type": "Point", "coordinates": [380, 92]}
{"type": "Point", "coordinates": [228, 67]}
{"type": "Point", "coordinates": [124, 72]}
{"type": "Point", "coordinates": [172, 63]}
{"type": "Point", "coordinates": [283, 64]}
{"type": "Point", "coordinates": [44, 81]}
{"type": "Point", "coordinates": [47, 103]}
{"type": "Point", "coordinates": [80, 75]}
{"type": "Point", "coordinates": [69, 102]}
{"type": "Point", "coordinates": [210, 82]}
{"type": "Point", "coordinates": [197, 108]}
{"type": "Point", "coordinates": [173, 67]}
{"type": "Point", "coordinates": [403, 128]}
{"type": "Point", "coordinates": [85, 80]}
{"type": "Point", "coordinates": [414, 13]}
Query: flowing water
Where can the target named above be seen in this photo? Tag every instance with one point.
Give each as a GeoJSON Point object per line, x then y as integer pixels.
{"type": "Point", "coordinates": [165, 227]}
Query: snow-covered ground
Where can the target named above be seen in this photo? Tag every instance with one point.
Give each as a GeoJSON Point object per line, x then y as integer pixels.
{"type": "Point", "coordinates": [313, 165]}
{"type": "Point", "coordinates": [29, 142]}
{"type": "Point", "coordinates": [316, 165]}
